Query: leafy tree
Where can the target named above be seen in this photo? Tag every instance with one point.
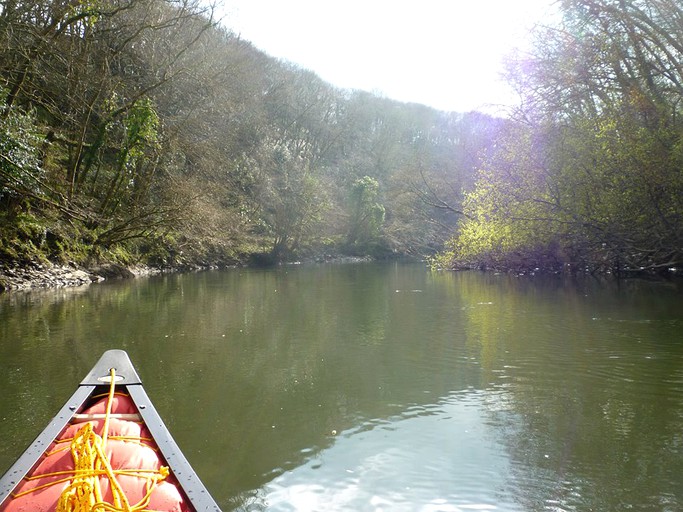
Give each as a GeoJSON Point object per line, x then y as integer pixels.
{"type": "Point", "coordinates": [590, 177]}
{"type": "Point", "coordinates": [367, 215]}
{"type": "Point", "coordinates": [21, 172]}
{"type": "Point", "coordinates": [292, 204]}
{"type": "Point", "coordinates": [426, 192]}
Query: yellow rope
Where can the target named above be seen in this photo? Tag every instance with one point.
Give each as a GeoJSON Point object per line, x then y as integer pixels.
{"type": "Point", "coordinates": [142, 441]}
{"type": "Point", "coordinates": [110, 402]}
{"type": "Point", "coordinates": [69, 474]}
{"type": "Point", "coordinates": [88, 451]}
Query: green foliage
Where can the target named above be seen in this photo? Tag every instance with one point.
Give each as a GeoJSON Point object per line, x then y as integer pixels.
{"type": "Point", "coordinates": [367, 214]}
{"type": "Point", "coordinates": [592, 178]}
{"type": "Point", "coordinates": [20, 163]}
{"type": "Point", "coordinates": [22, 237]}
{"type": "Point", "coordinates": [86, 9]}
{"type": "Point", "coordinates": [141, 125]}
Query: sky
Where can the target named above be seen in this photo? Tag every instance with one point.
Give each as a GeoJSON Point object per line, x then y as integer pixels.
{"type": "Point", "coordinates": [447, 54]}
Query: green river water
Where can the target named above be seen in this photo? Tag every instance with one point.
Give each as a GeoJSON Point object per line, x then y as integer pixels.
{"type": "Point", "coordinates": [379, 387]}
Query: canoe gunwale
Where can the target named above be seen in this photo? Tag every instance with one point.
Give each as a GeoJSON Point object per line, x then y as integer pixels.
{"type": "Point", "coordinates": [187, 479]}
{"type": "Point", "coordinates": [25, 463]}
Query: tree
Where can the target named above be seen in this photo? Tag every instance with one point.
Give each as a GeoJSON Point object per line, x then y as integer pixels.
{"type": "Point", "coordinates": [21, 173]}
{"type": "Point", "coordinates": [291, 162]}
{"type": "Point", "coordinates": [591, 175]}
{"type": "Point", "coordinates": [425, 194]}
{"type": "Point", "coordinates": [367, 216]}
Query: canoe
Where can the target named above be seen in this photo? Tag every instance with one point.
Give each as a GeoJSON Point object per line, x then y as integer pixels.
{"type": "Point", "coordinates": [106, 450]}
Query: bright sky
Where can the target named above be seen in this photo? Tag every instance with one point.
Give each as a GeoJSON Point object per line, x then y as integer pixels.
{"type": "Point", "coordinates": [447, 54]}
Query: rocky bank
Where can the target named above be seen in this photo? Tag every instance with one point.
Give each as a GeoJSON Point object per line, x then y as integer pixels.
{"type": "Point", "coordinates": [45, 275]}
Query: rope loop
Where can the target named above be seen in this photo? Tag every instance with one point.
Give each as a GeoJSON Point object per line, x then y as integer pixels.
{"type": "Point", "coordinates": [88, 450]}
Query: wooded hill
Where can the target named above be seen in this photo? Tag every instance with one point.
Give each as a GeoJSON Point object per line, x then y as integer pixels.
{"type": "Point", "coordinates": [143, 131]}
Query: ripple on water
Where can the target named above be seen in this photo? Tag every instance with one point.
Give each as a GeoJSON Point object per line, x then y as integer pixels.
{"type": "Point", "coordinates": [433, 457]}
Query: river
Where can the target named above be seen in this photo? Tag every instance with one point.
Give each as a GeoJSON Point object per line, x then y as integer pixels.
{"type": "Point", "coordinates": [379, 387]}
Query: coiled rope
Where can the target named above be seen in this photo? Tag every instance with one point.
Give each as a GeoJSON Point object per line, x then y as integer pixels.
{"type": "Point", "coordinates": [88, 450]}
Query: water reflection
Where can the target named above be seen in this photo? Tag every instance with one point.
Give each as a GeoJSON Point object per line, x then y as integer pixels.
{"type": "Point", "coordinates": [379, 387]}
{"type": "Point", "coordinates": [443, 456]}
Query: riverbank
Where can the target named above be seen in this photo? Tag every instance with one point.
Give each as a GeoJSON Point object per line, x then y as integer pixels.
{"type": "Point", "coordinates": [47, 275]}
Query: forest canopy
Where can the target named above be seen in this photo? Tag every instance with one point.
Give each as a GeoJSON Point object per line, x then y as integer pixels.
{"type": "Point", "coordinates": [144, 131]}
